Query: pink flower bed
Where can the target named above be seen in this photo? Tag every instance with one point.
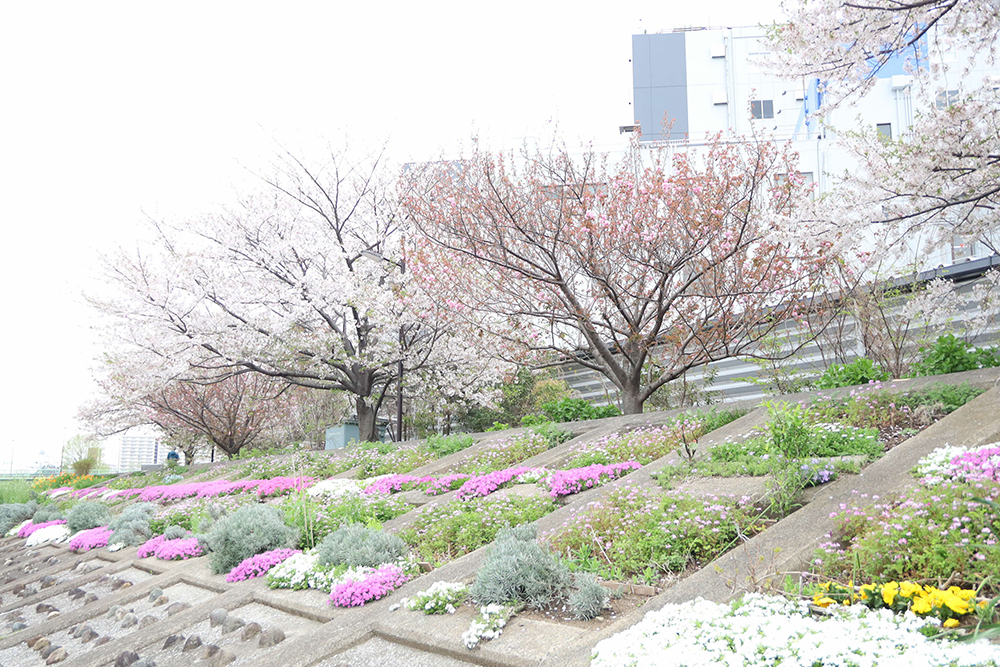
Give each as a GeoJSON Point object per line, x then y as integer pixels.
{"type": "Point", "coordinates": [148, 547]}
{"type": "Point", "coordinates": [89, 491]}
{"type": "Point", "coordinates": [177, 549]}
{"type": "Point", "coordinates": [372, 586]}
{"type": "Point", "coordinates": [567, 482]}
{"type": "Point", "coordinates": [979, 465]}
{"type": "Point", "coordinates": [27, 530]}
{"type": "Point", "coordinates": [220, 487]}
{"type": "Point", "coordinates": [181, 549]}
{"type": "Point", "coordinates": [484, 485]}
{"type": "Point", "coordinates": [279, 485]}
{"type": "Point", "coordinates": [258, 566]}
{"type": "Point", "coordinates": [94, 538]}
{"type": "Point", "coordinates": [443, 484]}
{"type": "Point", "coordinates": [393, 483]}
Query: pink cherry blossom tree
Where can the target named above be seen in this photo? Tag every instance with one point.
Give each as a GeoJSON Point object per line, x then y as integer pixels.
{"type": "Point", "coordinates": [640, 270]}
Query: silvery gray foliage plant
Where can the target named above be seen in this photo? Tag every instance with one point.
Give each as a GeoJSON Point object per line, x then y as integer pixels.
{"type": "Point", "coordinates": [250, 530]}
{"type": "Point", "coordinates": [12, 514]}
{"type": "Point", "coordinates": [518, 569]}
{"type": "Point", "coordinates": [88, 514]}
{"type": "Point", "coordinates": [47, 513]}
{"type": "Point", "coordinates": [589, 599]}
{"type": "Point", "coordinates": [356, 545]}
{"type": "Point", "coordinates": [131, 527]}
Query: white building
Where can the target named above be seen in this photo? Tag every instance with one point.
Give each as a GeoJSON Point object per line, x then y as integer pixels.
{"type": "Point", "coordinates": [702, 81]}
{"type": "Point", "coordinates": [139, 449]}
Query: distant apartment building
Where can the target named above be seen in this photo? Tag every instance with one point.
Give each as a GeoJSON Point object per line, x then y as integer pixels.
{"type": "Point", "coordinates": [704, 81]}
{"type": "Point", "coordinates": [139, 449]}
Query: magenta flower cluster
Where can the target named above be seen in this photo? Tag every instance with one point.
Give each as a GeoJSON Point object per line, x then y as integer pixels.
{"type": "Point", "coordinates": [182, 549]}
{"type": "Point", "coordinates": [257, 566]}
{"type": "Point", "coordinates": [177, 549]}
{"type": "Point", "coordinates": [219, 487]}
{"type": "Point", "coordinates": [89, 491]}
{"type": "Point", "coordinates": [372, 586]}
{"type": "Point", "coordinates": [277, 486]}
{"type": "Point", "coordinates": [567, 482]}
{"type": "Point", "coordinates": [443, 484]}
{"type": "Point", "coordinates": [979, 465]}
{"type": "Point", "coordinates": [393, 483]}
{"type": "Point", "coordinates": [484, 485]}
{"type": "Point", "coordinates": [28, 529]}
{"type": "Point", "coordinates": [93, 538]}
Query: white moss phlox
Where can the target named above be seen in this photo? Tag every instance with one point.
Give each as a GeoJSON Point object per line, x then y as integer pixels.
{"type": "Point", "coordinates": [54, 534]}
{"type": "Point", "coordinates": [766, 630]}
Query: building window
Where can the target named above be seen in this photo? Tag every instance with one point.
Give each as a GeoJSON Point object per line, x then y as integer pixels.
{"type": "Point", "coordinates": [884, 131]}
{"type": "Point", "coordinates": [946, 98]}
{"type": "Point", "coordinates": [762, 109]}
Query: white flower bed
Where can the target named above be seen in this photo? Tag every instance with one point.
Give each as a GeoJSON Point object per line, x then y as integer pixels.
{"type": "Point", "coordinates": [331, 489]}
{"type": "Point", "coordinates": [938, 462]}
{"type": "Point", "coordinates": [765, 630]}
{"type": "Point", "coordinates": [443, 597]}
{"type": "Point", "coordinates": [54, 534]}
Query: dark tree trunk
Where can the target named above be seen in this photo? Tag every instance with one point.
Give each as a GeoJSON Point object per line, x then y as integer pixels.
{"type": "Point", "coordinates": [366, 421]}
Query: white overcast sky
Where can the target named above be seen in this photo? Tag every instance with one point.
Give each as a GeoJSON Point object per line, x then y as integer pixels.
{"type": "Point", "coordinates": [111, 112]}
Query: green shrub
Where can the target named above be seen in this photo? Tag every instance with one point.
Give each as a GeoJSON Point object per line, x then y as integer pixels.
{"type": "Point", "coordinates": [15, 491]}
{"type": "Point", "coordinates": [317, 519]}
{"type": "Point", "coordinates": [589, 599]}
{"type": "Point", "coordinates": [518, 569]}
{"type": "Point", "coordinates": [131, 527]}
{"type": "Point", "coordinates": [359, 546]}
{"type": "Point", "coordinates": [946, 397]}
{"type": "Point", "coordinates": [949, 354]}
{"type": "Point", "coordinates": [88, 514]}
{"type": "Point", "coordinates": [450, 530]}
{"type": "Point", "coordinates": [570, 410]}
{"type": "Point", "coordinates": [250, 530]}
{"type": "Point", "coordinates": [553, 433]}
{"type": "Point", "coordinates": [859, 371]}
{"type": "Point", "coordinates": [12, 514]}
{"type": "Point", "coordinates": [444, 445]}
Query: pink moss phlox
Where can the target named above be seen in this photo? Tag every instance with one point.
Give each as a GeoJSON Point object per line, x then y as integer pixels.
{"type": "Point", "coordinates": [179, 549]}
{"type": "Point", "coordinates": [280, 485]}
{"type": "Point", "coordinates": [257, 566]}
{"type": "Point", "coordinates": [89, 491]}
{"type": "Point", "coordinates": [93, 538]}
{"type": "Point", "coordinates": [373, 586]}
{"type": "Point", "coordinates": [567, 482]}
{"type": "Point", "coordinates": [169, 492]}
{"type": "Point", "coordinates": [484, 485]}
{"type": "Point", "coordinates": [149, 547]}
{"type": "Point", "coordinates": [443, 484]}
{"type": "Point", "coordinates": [978, 465]}
{"type": "Point", "coordinates": [26, 531]}
{"type": "Point", "coordinates": [393, 483]}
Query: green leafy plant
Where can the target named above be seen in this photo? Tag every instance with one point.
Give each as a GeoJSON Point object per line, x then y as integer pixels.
{"type": "Point", "coordinates": [15, 491]}
{"type": "Point", "coordinates": [250, 530]}
{"type": "Point", "coordinates": [950, 354]}
{"type": "Point", "coordinates": [553, 433]}
{"type": "Point", "coordinates": [445, 445]}
{"type": "Point", "coordinates": [445, 532]}
{"type": "Point", "coordinates": [859, 371]}
{"type": "Point", "coordinates": [570, 410]}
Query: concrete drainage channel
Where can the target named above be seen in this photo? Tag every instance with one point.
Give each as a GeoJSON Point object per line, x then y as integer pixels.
{"type": "Point", "coordinates": [97, 609]}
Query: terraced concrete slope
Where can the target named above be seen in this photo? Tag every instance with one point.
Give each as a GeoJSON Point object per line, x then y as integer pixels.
{"type": "Point", "coordinates": [101, 608]}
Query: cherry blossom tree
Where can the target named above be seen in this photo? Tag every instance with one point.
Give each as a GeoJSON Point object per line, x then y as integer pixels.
{"type": "Point", "coordinates": [285, 285]}
{"type": "Point", "coordinates": [942, 178]}
{"type": "Point", "coordinates": [625, 268]}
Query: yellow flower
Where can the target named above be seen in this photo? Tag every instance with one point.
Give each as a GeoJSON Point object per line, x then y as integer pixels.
{"type": "Point", "coordinates": [908, 589]}
{"type": "Point", "coordinates": [889, 592]}
{"type": "Point", "coordinates": [951, 623]}
{"type": "Point", "coordinates": [921, 606]}
{"type": "Point", "coordinates": [822, 601]}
